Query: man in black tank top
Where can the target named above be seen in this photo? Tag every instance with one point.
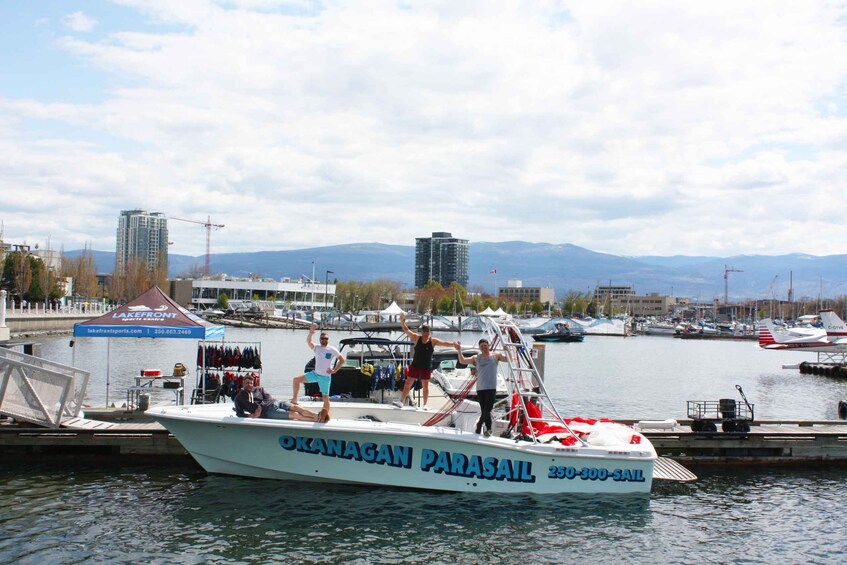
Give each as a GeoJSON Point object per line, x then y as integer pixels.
{"type": "Point", "coordinates": [421, 367]}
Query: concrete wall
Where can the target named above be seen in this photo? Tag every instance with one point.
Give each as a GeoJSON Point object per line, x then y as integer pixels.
{"type": "Point", "coordinates": [19, 325]}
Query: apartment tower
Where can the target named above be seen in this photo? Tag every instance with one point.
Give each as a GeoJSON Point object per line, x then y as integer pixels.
{"type": "Point", "coordinates": [142, 237]}
{"type": "Point", "coordinates": [442, 258]}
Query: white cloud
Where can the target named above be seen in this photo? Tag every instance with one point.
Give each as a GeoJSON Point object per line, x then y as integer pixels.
{"type": "Point", "coordinates": [659, 128]}
{"type": "Point", "coordinates": [79, 22]}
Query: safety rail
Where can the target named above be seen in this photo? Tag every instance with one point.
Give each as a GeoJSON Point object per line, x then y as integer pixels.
{"type": "Point", "coordinates": [39, 391]}
{"type": "Point", "coordinates": [524, 382]}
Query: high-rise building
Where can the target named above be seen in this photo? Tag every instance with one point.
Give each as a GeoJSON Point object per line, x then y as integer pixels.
{"type": "Point", "coordinates": [441, 258]}
{"type": "Point", "coordinates": [143, 237]}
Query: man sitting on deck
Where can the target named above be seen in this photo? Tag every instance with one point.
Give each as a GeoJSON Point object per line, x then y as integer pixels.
{"type": "Point", "coordinates": [256, 402]}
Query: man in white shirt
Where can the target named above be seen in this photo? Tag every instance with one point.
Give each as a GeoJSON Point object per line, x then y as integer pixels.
{"type": "Point", "coordinates": [328, 360]}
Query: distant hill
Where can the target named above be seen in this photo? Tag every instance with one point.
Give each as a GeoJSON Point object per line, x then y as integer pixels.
{"type": "Point", "coordinates": [560, 266]}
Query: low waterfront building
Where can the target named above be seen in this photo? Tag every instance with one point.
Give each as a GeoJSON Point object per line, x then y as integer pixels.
{"type": "Point", "coordinates": [651, 304]}
{"type": "Point", "coordinates": [618, 292]}
{"type": "Point", "coordinates": [516, 292]}
{"type": "Point", "coordinates": [299, 294]}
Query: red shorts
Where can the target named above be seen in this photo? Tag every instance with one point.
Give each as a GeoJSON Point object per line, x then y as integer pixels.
{"type": "Point", "coordinates": [422, 374]}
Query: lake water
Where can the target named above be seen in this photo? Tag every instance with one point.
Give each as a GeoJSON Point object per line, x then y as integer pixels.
{"type": "Point", "coordinates": [82, 514]}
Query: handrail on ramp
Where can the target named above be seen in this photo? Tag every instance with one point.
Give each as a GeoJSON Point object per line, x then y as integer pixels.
{"type": "Point", "coordinates": [39, 391]}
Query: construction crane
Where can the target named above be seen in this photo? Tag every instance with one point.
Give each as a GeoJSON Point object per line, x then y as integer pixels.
{"type": "Point", "coordinates": [769, 295]}
{"type": "Point", "coordinates": [726, 271]}
{"type": "Point", "coordinates": [208, 225]}
{"type": "Point", "coordinates": [770, 288]}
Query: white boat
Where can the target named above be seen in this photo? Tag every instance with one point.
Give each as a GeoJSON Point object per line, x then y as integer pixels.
{"type": "Point", "coordinates": [662, 328]}
{"type": "Point", "coordinates": [531, 450]}
{"type": "Point", "coordinates": [459, 382]}
{"type": "Point", "coordinates": [601, 326]}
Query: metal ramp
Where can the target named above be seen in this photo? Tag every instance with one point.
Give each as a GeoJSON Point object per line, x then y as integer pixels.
{"type": "Point", "coordinates": [99, 425]}
{"type": "Point", "coordinates": [667, 469]}
{"type": "Point", "coordinates": [832, 358]}
{"type": "Point", "coordinates": [530, 402]}
{"type": "Point", "coordinates": [39, 391]}
{"type": "Point", "coordinates": [85, 424]}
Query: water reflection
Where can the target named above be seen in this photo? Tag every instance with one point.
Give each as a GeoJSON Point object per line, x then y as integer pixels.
{"type": "Point", "coordinates": [75, 514]}
{"type": "Point", "coordinates": [368, 521]}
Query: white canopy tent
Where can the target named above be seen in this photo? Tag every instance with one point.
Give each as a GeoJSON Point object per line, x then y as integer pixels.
{"type": "Point", "coordinates": [392, 310]}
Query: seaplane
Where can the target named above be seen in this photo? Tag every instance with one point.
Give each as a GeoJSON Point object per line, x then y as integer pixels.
{"type": "Point", "coordinates": [771, 337]}
{"type": "Point", "coordinates": [830, 343]}
{"type": "Point", "coordinates": [836, 329]}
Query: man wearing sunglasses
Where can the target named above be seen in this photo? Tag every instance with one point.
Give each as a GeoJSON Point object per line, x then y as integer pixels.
{"type": "Point", "coordinates": [328, 360]}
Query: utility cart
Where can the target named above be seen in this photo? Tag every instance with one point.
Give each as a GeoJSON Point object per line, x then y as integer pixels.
{"type": "Point", "coordinates": [733, 416]}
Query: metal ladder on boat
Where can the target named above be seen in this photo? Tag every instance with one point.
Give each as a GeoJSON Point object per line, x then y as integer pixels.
{"type": "Point", "coordinates": [524, 382]}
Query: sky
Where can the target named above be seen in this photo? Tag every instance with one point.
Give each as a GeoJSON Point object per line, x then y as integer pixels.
{"type": "Point", "coordinates": [631, 128]}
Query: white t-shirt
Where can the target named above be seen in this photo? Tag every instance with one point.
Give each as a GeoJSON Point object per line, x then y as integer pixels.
{"type": "Point", "coordinates": [325, 356]}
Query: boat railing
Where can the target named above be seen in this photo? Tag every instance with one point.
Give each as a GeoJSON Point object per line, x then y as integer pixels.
{"type": "Point", "coordinates": [526, 388]}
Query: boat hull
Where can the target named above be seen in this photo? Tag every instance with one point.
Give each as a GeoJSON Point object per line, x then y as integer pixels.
{"type": "Point", "coordinates": [400, 454]}
{"type": "Point", "coordinates": [558, 338]}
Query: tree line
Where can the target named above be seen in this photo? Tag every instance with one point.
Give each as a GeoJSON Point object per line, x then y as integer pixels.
{"type": "Point", "coordinates": [25, 276]}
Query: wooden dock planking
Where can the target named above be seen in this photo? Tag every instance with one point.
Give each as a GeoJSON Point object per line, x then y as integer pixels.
{"type": "Point", "coordinates": [84, 438]}
{"type": "Point", "coordinates": [767, 442]}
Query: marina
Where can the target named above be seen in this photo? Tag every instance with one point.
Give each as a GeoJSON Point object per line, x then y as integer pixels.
{"type": "Point", "coordinates": [187, 500]}
{"type": "Point", "coordinates": [230, 229]}
{"type": "Point", "coordinates": [126, 432]}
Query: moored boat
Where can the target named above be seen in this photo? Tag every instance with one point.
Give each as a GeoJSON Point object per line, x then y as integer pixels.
{"type": "Point", "coordinates": [532, 448]}
{"type": "Point", "coordinates": [561, 332]}
{"type": "Point", "coordinates": [458, 381]}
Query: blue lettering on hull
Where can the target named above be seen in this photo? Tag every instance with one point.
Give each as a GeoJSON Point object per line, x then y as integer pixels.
{"type": "Point", "coordinates": [476, 467]}
{"type": "Point", "coordinates": [385, 454]}
{"type": "Point", "coordinates": [595, 474]}
{"type": "Point", "coordinates": [442, 462]}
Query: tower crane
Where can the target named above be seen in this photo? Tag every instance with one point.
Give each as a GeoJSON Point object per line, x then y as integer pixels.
{"type": "Point", "coordinates": [726, 271]}
{"type": "Point", "coordinates": [208, 225]}
{"type": "Point", "coordinates": [770, 288]}
{"type": "Point", "coordinates": [769, 295]}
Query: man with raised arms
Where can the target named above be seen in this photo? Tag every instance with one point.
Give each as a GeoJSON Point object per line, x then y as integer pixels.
{"type": "Point", "coordinates": [328, 360]}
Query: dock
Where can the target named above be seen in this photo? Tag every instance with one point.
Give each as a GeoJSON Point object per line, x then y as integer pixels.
{"type": "Point", "coordinates": [80, 439]}
{"type": "Point", "coordinates": [767, 442]}
{"type": "Point", "coordinates": [800, 443]}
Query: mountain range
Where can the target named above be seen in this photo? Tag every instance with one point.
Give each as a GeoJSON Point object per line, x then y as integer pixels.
{"type": "Point", "coordinates": [562, 267]}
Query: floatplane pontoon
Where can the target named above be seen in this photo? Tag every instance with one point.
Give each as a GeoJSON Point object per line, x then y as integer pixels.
{"type": "Point", "coordinates": [532, 448]}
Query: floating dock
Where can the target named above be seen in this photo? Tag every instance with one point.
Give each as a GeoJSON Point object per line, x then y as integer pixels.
{"type": "Point", "coordinates": [93, 440]}
{"type": "Point", "coordinates": [770, 442]}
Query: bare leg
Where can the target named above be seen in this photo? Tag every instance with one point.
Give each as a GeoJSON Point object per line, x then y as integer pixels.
{"type": "Point", "coordinates": [304, 412]}
{"type": "Point", "coordinates": [296, 385]}
{"type": "Point", "coordinates": [406, 387]}
{"type": "Point", "coordinates": [425, 390]}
